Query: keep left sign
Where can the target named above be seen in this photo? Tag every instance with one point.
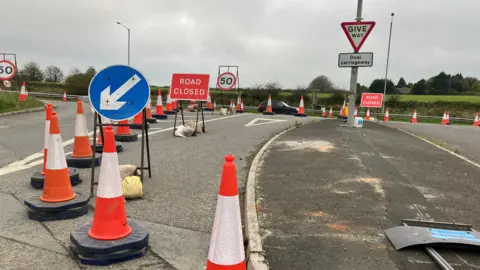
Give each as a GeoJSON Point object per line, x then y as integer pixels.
{"type": "Point", "coordinates": [190, 87]}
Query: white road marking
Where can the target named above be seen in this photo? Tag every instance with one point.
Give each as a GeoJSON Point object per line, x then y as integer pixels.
{"type": "Point", "coordinates": [27, 162]}
{"type": "Point", "coordinates": [444, 149]}
{"type": "Point", "coordinates": [1, 127]}
{"type": "Point", "coordinates": [268, 121]}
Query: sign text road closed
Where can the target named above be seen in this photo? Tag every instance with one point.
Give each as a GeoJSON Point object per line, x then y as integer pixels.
{"type": "Point", "coordinates": [371, 100]}
{"type": "Point", "coordinates": [190, 87]}
{"type": "Point", "coordinates": [355, 59]}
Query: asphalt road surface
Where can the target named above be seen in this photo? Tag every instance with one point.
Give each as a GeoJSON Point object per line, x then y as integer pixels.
{"type": "Point", "coordinates": [180, 198]}
{"type": "Point", "coordinates": [326, 194]}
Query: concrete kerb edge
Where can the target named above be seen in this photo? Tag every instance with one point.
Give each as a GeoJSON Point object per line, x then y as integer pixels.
{"type": "Point", "coordinates": [39, 109]}
{"type": "Point", "coordinates": [255, 251]}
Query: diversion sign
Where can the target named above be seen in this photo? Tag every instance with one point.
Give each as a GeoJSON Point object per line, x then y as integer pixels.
{"type": "Point", "coordinates": [355, 59]}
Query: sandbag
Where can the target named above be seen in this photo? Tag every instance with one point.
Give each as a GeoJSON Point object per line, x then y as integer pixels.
{"type": "Point", "coordinates": [128, 170]}
{"type": "Point", "coordinates": [132, 187]}
{"type": "Point", "coordinates": [184, 131]}
{"type": "Point", "coordinates": [191, 124]}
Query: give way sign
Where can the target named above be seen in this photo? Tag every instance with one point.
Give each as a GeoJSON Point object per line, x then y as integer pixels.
{"type": "Point", "coordinates": [371, 100]}
{"type": "Point", "coordinates": [357, 32]}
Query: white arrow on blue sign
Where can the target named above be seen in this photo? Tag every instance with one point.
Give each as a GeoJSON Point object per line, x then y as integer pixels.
{"type": "Point", "coordinates": [118, 92]}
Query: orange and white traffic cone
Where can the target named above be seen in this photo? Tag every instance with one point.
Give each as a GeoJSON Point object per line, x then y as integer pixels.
{"type": "Point", "coordinates": [448, 118]}
{"type": "Point", "coordinates": [82, 150]}
{"type": "Point", "coordinates": [475, 122]}
{"type": "Point", "coordinates": [239, 108]}
{"type": "Point", "coordinates": [214, 106]}
{"type": "Point", "coordinates": [159, 113]}
{"type": "Point", "coordinates": [58, 200]}
{"type": "Point", "coordinates": [64, 95]}
{"type": "Point", "coordinates": [148, 110]}
{"type": "Point", "coordinates": [367, 116]}
{"type": "Point", "coordinates": [330, 113]}
{"type": "Point", "coordinates": [123, 133]}
{"type": "Point", "coordinates": [444, 118]}
{"type": "Point", "coordinates": [208, 107]}
{"type": "Point", "coordinates": [174, 105]}
{"type": "Point", "coordinates": [386, 117]}
{"type": "Point", "coordinates": [268, 110]}
{"type": "Point", "coordinates": [342, 112]}
{"type": "Point", "coordinates": [137, 121]}
{"type": "Point", "coordinates": [324, 113]}
{"type": "Point", "coordinates": [169, 108]}
{"type": "Point", "coordinates": [301, 108]}
{"type": "Point", "coordinates": [355, 112]}
{"type": "Point", "coordinates": [226, 249]}
{"type": "Point", "coordinates": [414, 117]}
{"type": "Point", "coordinates": [49, 110]}
{"type": "Point", "coordinates": [95, 242]}
{"type": "Point", "coordinates": [242, 110]}
{"type": "Point", "coordinates": [23, 93]}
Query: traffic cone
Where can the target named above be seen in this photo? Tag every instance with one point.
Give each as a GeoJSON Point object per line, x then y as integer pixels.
{"type": "Point", "coordinates": [26, 92]}
{"type": "Point", "coordinates": [174, 105]}
{"type": "Point", "coordinates": [386, 118]}
{"type": "Point", "coordinates": [214, 106]}
{"type": "Point", "coordinates": [82, 151]}
{"type": "Point", "coordinates": [226, 249]}
{"type": "Point", "coordinates": [448, 118]}
{"type": "Point", "coordinates": [367, 116]}
{"type": "Point", "coordinates": [123, 133]}
{"type": "Point", "coordinates": [48, 115]}
{"type": "Point", "coordinates": [444, 118]}
{"type": "Point", "coordinates": [242, 110]}
{"type": "Point", "coordinates": [301, 109]}
{"type": "Point", "coordinates": [58, 201]}
{"type": "Point", "coordinates": [268, 110]}
{"type": "Point", "coordinates": [23, 94]}
{"type": "Point", "coordinates": [159, 113]}
{"type": "Point", "coordinates": [64, 95]}
{"type": "Point", "coordinates": [137, 121]}
{"type": "Point", "coordinates": [342, 112]}
{"type": "Point", "coordinates": [208, 107]}
{"type": "Point", "coordinates": [414, 117]}
{"type": "Point", "coordinates": [148, 110]}
{"type": "Point", "coordinates": [239, 108]}
{"type": "Point", "coordinates": [324, 114]}
{"type": "Point", "coordinates": [355, 112]}
{"type": "Point", "coordinates": [110, 237]}
{"type": "Point", "coordinates": [169, 109]}
{"type": "Point", "coordinates": [330, 113]}
{"type": "Point", "coordinates": [475, 122]}
{"type": "Point", "coordinates": [99, 145]}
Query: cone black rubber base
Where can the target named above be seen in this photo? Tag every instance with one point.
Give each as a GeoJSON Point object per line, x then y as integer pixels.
{"type": "Point", "coordinates": [300, 115]}
{"type": "Point", "coordinates": [160, 116]}
{"type": "Point", "coordinates": [169, 112]}
{"type": "Point", "coordinates": [139, 126]}
{"type": "Point", "coordinates": [45, 211]}
{"type": "Point", "coordinates": [85, 162]}
{"type": "Point", "coordinates": [240, 111]}
{"type": "Point", "coordinates": [268, 113]}
{"type": "Point", "coordinates": [99, 148]}
{"type": "Point", "coordinates": [126, 137]}
{"type": "Point", "coordinates": [100, 252]}
{"type": "Point", "coordinates": [207, 110]}
{"type": "Point", "coordinates": [38, 178]}
{"type": "Point", "coordinates": [151, 120]}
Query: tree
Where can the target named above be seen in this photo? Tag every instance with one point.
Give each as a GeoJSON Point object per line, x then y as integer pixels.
{"type": "Point", "coordinates": [74, 71]}
{"type": "Point", "coordinates": [53, 74]}
{"type": "Point", "coordinates": [410, 85]}
{"type": "Point", "coordinates": [377, 86]}
{"type": "Point", "coordinates": [91, 71]}
{"type": "Point", "coordinates": [361, 88]}
{"type": "Point", "coordinates": [31, 73]}
{"type": "Point", "coordinates": [321, 83]}
{"type": "Point", "coordinates": [401, 83]}
{"type": "Point", "coordinates": [420, 87]}
{"type": "Point", "coordinates": [273, 86]}
{"type": "Point", "coordinates": [440, 84]}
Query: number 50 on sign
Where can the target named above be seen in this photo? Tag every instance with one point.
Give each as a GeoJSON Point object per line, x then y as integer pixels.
{"type": "Point", "coordinates": [226, 81]}
{"type": "Point", "coordinates": [7, 70]}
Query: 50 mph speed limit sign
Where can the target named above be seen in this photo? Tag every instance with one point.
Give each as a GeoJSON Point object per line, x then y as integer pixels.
{"type": "Point", "coordinates": [226, 81]}
{"type": "Point", "coordinates": [7, 70]}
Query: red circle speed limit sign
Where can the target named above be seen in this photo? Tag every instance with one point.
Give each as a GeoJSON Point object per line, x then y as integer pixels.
{"type": "Point", "coordinates": [7, 70]}
{"type": "Point", "coordinates": [226, 81]}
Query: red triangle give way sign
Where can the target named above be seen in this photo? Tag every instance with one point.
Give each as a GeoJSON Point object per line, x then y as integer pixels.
{"type": "Point", "coordinates": [357, 32]}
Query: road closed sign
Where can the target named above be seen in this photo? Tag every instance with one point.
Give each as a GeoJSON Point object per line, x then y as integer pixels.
{"type": "Point", "coordinates": [371, 100]}
{"type": "Point", "coordinates": [189, 87]}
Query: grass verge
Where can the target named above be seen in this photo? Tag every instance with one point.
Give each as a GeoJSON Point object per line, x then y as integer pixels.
{"type": "Point", "coordinates": [9, 103]}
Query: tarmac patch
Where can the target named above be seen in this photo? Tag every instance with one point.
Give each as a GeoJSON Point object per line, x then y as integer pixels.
{"type": "Point", "coordinates": [375, 182]}
{"type": "Point", "coordinates": [337, 227]}
{"type": "Point", "coordinates": [321, 146]}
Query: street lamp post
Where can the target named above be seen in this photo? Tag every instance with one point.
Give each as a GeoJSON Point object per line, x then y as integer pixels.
{"type": "Point", "coordinates": [128, 29]}
{"type": "Point", "coordinates": [386, 68]}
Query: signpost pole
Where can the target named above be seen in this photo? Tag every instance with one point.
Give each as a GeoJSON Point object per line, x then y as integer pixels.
{"type": "Point", "coordinates": [386, 68]}
{"type": "Point", "coordinates": [354, 77]}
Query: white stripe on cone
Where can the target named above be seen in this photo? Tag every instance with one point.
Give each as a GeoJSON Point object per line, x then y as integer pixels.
{"type": "Point", "coordinates": [47, 133]}
{"type": "Point", "coordinates": [110, 182]}
{"type": "Point", "coordinates": [301, 102]}
{"type": "Point", "coordinates": [226, 243]}
{"type": "Point", "coordinates": [81, 126]}
{"type": "Point", "coordinates": [55, 155]}
{"type": "Point", "coordinates": [159, 100]}
{"type": "Point", "coordinates": [269, 102]}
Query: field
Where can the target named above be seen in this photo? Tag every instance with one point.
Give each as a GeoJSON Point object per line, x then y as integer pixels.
{"type": "Point", "coordinates": [9, 103]}
{"type": "Point", "coordinates": [432, 98]}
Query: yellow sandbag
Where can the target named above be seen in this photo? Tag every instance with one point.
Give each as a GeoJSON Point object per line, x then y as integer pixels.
{"type": "Point", "coordinates": [132, 187]}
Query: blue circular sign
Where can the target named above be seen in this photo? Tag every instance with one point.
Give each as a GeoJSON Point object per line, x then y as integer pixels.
{"type": "Point", "coordinates": [119, 92]}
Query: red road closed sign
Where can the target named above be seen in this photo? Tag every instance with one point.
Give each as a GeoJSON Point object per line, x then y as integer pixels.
{"type": "Point", "coordinates": [189, 87]}
{"type": "Point", "coordinates": [371, 100]}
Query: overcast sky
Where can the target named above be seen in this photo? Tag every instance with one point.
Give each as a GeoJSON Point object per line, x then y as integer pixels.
{"type": "Point", "coordinates": [288, 41]}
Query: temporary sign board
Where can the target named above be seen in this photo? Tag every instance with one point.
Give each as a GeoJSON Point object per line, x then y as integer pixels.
{"type": "Point", "coordinates": [7, 70]}
{"type": "Point", "coordinates": [371, 100]}
{"type": "Point", "coordinates": [189, 87]}
{"type": "Point", "coordinates": [118, 92]}
{"type": "Point", "coordinates": [226, 81]}
{"type": "Point", "coordinates": [355, 59]}
{"type": "Point", "coordinates": [357, 32]}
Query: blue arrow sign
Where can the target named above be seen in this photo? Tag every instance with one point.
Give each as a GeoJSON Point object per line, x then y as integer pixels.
{"type": "Point", "coordinates": [118, 92]}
